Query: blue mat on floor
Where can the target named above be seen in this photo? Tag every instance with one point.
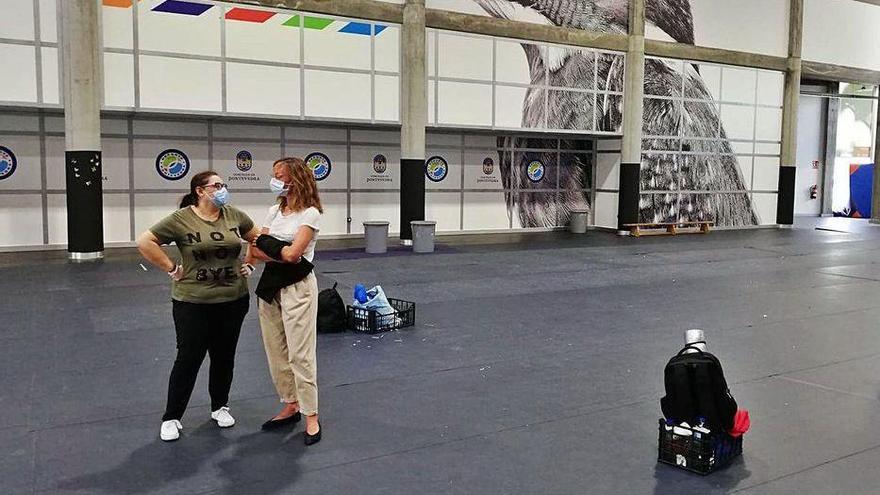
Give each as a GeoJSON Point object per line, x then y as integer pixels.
{"type": "Point", "coordinates": [358, 253]}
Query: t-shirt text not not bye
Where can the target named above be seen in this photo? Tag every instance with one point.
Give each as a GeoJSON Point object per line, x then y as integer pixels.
{"type": "Point", "coordinates": [209, 254]}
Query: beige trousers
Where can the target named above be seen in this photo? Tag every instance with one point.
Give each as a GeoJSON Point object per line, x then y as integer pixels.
{"type": "Point", "coordinates": [289, 333]}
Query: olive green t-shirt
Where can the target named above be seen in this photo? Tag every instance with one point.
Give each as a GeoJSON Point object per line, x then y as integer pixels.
{"type": "Point", "coordinates": [209, 254]}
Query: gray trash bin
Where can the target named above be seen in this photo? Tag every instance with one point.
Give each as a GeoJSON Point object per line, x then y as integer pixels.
{"type": "Point", "coordinates": [577, 224]}
{"type": "Point", "coordinates": [423, 236]}
{"type": "Point", "coordinates": [376, 236]}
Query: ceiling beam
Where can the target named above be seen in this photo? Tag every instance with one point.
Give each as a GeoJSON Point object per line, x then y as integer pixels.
{"type": "Point", "coordinates": [832, 72]}
{"type": "Point", "coordinates": [504, 28]}
{"type": "Point", "coordinates": [716, 55]}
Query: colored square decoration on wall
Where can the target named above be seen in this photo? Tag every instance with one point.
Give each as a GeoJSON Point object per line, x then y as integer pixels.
{"type": "Point", "coordinates": [249, 15]}
{"type": "Point", "coordinates": [182, 7]}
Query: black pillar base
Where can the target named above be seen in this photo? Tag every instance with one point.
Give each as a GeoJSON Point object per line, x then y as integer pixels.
{"type": "Point", "coordinates": [85, 203]}
{"type": "Point", "coordinates": [785, 198]}
{"type": "Point", "coordinates": [628, 197]}
{"type": "Point", "coordinates": [412, 194]}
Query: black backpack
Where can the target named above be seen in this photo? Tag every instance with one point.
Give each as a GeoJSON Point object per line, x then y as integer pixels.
{"type": "Point", "coordinates": [695, 388]}
{"type": "Point", "coordinates": [331, 311]}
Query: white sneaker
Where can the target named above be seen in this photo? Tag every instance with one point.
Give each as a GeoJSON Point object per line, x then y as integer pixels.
{"type": "Point", "coordinates": [170, 430]}
{"type": "Point", "coordinates": [223, 418]}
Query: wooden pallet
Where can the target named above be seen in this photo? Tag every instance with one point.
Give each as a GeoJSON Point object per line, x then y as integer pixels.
{"type": "Point", "coordinates": [671, 228]}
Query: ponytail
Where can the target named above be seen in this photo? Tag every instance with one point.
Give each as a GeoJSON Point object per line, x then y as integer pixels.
{"type": "Point", "coordinates": [199, 180]}
{"type": "Point", "coordinates": [189, 199]}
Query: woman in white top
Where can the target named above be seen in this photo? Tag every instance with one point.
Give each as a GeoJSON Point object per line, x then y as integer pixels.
{"type": "Point", "coordinates": [289, 321]}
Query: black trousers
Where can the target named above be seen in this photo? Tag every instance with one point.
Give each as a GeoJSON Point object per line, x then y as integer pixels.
{"type": "Point", "coordinates": [211, 329]}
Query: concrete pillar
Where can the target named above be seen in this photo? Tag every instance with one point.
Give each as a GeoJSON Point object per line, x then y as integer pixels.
{"type": "Point", "coordinates": [791, 96]}
{"type": "Point", "coordinates": [82, 126]}
{"type": "Point", "coordinates": [633, 106]}
{"type": "Point", "coordinates": [413, 116]}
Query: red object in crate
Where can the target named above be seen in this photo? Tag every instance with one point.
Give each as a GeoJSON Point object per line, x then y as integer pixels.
{"type": "Point", "coordinates": [741, 423]}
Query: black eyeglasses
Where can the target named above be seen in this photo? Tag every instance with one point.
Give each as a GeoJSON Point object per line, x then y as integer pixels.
{"type": "Point", "coordinates": [216, 185]}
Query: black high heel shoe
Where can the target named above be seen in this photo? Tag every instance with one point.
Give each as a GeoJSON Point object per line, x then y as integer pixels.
{"type": "Point", "coordinates": [274, 424]}
{"type": "Point", "coordinates": [313, 439]}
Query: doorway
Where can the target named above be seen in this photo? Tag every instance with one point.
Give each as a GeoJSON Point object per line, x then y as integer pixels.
{"type": "Point", "coordinates": [811, 141]}
{"type": "Point", "coordinates": [836, 129]}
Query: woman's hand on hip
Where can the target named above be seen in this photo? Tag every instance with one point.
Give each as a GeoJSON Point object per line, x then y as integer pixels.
{"type": "Point", "coordinates": [246, 270]}
{"type": "Point", "coordinates": [176, 273]}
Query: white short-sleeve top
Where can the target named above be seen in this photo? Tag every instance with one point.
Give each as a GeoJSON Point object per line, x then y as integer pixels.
{"type": "Point", "coordinates": [284, 227]}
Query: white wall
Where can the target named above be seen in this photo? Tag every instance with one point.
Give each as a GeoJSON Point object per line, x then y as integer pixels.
{"type": "Point", "coordinates": [485, 82]}
{"type": "Point", "coordinates": [248, 61]}
{"type": "Point", "coordinates": [842, 32]}
{"type": "Point", "coordinates": [607, 181]}
{"type": "Point", "coordinates": [759, 26]}
{"type": "Point", "coordinates": [29, 50]}
{"type": "Point", "coordinates": [810, 149]}
{"type": "Point", "coordinates": [228, 59]}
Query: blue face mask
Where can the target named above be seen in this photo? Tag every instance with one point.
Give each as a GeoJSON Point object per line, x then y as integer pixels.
{"type": "Point", "coordinates": [277, 187]}
{"type": "Point", "coordinates": [221, 197]}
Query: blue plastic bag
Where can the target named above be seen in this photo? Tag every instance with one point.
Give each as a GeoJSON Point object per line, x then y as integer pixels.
{"type": "Point", "coordinates": [360, 293]}
{"type": "Point", "coordinates": [376, 301]}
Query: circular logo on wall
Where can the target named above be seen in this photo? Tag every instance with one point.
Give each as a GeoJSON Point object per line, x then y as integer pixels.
{"type": "Point", "coordinates": [244, 160]}
{"type": "Point", "coordinates": [535, 171]}
{"type": "Point", "coordinates": [436, 168]}
{"type": "Point", "coordinates": [172, 164]}
{"type": "Point", "coordinates": [8, 162]}
{"type": "Point", "coordinates": [488, 166]}
{"type": "Point", "coordinates": [320, 165]}
{"type": "Point", "coordinates": [380, 164]}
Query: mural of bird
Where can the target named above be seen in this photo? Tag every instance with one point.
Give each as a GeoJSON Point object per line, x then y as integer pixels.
{"type": "Point", "coordinates": [665, 174]}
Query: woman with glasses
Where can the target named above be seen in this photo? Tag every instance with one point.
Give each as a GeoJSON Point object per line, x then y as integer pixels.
{"type": "Point", "coordinates": [209, 292]}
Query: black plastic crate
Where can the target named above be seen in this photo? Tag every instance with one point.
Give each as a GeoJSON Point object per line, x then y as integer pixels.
{"type": "Point", "coordinates": [370, 321]}
{"type": "Point", "coordinates": [700, 453]}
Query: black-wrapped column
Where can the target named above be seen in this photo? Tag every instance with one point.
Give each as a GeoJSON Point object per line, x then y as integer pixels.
{"type": "Point", "coordinates": [628, 197]}
{"type": "Point", "coordinates": [785, 200]}
{"type": "Point", "coordinates": [85, 232]}
{"type": "Point", "coordinates": [412, 195]}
